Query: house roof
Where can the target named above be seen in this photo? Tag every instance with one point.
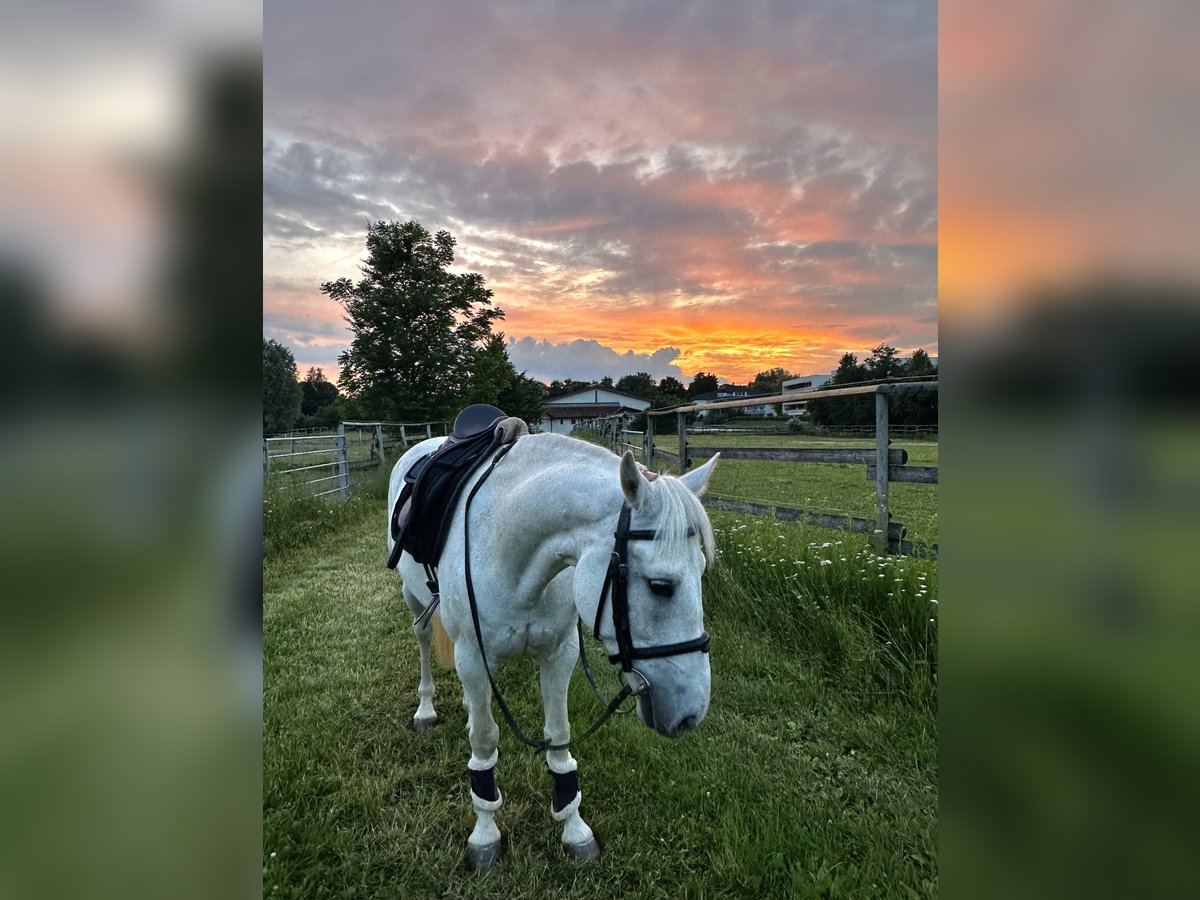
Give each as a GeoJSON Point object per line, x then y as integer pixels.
{"type": "Point", "coordinates": [596, 387]}
{"type": "Point", "coordinates": [581, 410]}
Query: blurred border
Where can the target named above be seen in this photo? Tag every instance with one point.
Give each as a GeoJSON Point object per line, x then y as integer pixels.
{"type": "Point", "coordinates": [130, 480]}
{"type": "Point", "coordinates": [1070, 310]}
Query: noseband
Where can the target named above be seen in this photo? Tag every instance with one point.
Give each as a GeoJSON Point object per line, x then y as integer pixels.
{"type": "Point", "coordinates": [618, 578]}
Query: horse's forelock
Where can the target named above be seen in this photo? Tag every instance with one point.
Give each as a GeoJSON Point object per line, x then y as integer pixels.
{"type": "Point", "coordinates": [680, 511]}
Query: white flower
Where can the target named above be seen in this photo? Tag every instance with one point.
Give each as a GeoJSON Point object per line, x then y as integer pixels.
{"type": "Point", "coordinates": [827, 562]}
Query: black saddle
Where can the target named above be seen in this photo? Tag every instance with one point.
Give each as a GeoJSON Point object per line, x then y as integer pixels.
{"type": "Point", "coordinates": [422, 514]}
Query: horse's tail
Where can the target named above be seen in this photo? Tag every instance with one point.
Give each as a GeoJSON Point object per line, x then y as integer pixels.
{"type": "Point", "coordinates": [443, 647]}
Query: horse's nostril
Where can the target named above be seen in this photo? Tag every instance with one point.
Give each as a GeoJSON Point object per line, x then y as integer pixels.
{"type": "Point", "coordinates": [687, 723]}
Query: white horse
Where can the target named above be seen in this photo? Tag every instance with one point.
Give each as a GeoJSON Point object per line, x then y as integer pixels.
{"type": "Point", "coordinates": [541, 538]}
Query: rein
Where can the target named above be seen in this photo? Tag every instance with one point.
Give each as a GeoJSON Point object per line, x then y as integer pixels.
{"type": "Point", "coordinates": [618, 578]}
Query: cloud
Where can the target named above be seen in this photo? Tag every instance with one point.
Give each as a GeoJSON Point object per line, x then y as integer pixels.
{"type": "Point", "coordinates": [618, 169]}
{"type": "Point", "coordinates": [587, 360]}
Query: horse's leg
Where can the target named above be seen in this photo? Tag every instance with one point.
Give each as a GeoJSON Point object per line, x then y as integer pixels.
{"type": "Point", "coordinates": [426, 715]}
{"type": "Point", "coordinates": [555, 673]}
{"type": "Point", "coordinates": [483, 846]}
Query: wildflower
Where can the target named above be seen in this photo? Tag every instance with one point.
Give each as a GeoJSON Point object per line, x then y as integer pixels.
{"type": "Point", "coordinates": [827, 562]}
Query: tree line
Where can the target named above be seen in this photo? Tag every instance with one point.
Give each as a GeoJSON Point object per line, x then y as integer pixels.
{"type": "Point", "coordinates": [424, 346]}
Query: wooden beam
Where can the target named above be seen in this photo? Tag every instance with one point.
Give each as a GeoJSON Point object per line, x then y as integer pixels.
{"type": "Point", "coordinates": [899, 387]}
{"type": "Point", "coordinates": [850, 455]}
{"type": "Point", "coordinates": [683, 460]}
{"type": "Point", "coordinates": [914, 474]}
{"type": "Point", "coordinates": [881, 472]}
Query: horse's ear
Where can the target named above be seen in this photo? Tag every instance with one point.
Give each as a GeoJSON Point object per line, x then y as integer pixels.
{"type": "Point", "coordinates": [696, 480]}
{"type": "Point", "coordinates": [633, 483]}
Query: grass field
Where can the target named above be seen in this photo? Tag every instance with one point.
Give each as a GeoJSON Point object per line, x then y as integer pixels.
{"type": "Point", "coordinates": [827, 488]}
{"type": "Point", "coordinates": [815, 773]}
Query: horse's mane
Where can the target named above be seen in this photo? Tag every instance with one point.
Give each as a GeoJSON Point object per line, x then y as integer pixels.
{"type": "Point", "coordinates": [680, 510]}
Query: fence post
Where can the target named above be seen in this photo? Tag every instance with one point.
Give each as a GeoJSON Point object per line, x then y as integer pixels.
{"type": "Point", "coordinates": [682, 420]}
{"type": "Point", "coordinates": [881, 472]}
{"type": "Point", "coordinates": [343, 471]}
{"type": "Point", "coordinates": [428, 430]}
{"type": "Point", "coordinates": [266, 458]}
{"type": "Point", "coordinates": [379, 443]}
{"type": "Point", "coordinates": [403, 437]}
{"type": "Point", "coordinates": [648, 443]}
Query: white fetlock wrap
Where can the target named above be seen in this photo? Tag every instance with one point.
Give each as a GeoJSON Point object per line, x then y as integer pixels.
{"type": "Point", "coordinates": [489, 806]}
{"type": "Point", "coordinates": [482, 765]}
{"type": "Point", "coordinates": [485, 832]}
{"type": "Point", "coordinates": [563, 767]}
{"type": "Point", "coordinates": [575, 830]}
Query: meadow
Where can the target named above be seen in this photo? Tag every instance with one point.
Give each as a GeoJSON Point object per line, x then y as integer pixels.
{"type": "Point", "coordinates": [814, 775]}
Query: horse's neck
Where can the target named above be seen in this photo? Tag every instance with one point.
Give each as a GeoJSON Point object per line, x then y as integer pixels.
{"type": "Point", "coordinates": [570, 500]}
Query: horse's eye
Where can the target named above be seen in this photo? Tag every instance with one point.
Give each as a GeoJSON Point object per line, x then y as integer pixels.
{"type": "Point", "coordinates": [662, 587]}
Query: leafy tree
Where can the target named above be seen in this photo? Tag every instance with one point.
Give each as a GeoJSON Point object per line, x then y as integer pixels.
{"type": "Point", "coordinates": [523, 398]}
{"type": "Point", "coordinates": [418, 328]}
{"type": "Point", "coordinates": [671, 391]}
{"type": "Point", "coordinates": [606, 381]}
{"type": "Point", "coordinates": [495, 381]}
{"type": "Point", "coordinates": [318, 392]}
{"type": "Point", "coordinates": [640, 384]}
{"type": "Point", "coordinates": [569, 386]}
{"type": "Point", "coordinates": [884, 362]}
{"type": "Point", "coordinates": [920, 364]}
{"type": "Point", "coordinates": [843, 410]}
{"type": "Point", "coordinates": [702, 383]}
{"type": "Point", "coordinates": [771, 382]}
{"type": "Point", "coordinates": [281, 390]}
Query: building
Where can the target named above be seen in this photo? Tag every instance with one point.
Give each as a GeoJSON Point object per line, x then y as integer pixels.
{"type": "Point", "coordinates": [802, 385]}
{"type": "Point", "coordinates": [734, 392]}
{"type": "Point", "coordinates": [561, 414]}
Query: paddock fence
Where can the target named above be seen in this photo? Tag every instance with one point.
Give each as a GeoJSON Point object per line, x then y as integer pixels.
{"type": "Point", "coordinates": [325, 462]}
{"type": "Point", "coordinates": [882, 464]}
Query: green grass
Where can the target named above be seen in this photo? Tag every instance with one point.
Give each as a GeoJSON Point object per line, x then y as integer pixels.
{"type": "Point", "coordinates": [815, 773]}
{"type": "Point", "coordinates": [824, 487]}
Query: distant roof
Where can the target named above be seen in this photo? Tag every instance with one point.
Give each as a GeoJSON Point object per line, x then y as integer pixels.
{"type": "Point", "coordinates": [581, 410]}
{"type": "Point", "coordinates": [596, 387]}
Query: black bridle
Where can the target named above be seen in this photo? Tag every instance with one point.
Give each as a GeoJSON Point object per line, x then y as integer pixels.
{"type": "Point", "coordinates": [618, 578]}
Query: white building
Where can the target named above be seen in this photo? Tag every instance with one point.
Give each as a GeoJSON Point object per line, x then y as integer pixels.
{"type": "Point", "coordinates": [802, 385]}
{"type": "Point", "coordinates": [563, 413]}
{"type": "Point", "coordinates": [733, 392]}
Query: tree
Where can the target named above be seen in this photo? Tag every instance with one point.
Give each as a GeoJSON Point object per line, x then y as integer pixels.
{"type": "Point", "coordinates": [671, 391]}
{"type": "Point", "coordinates": [495, 381]}
{"type": "Point", "coordinates": [702, 383]}
{"type": "Point", "coordinates": [569, 386]}
{"type": "Point", "coordinates": [884, 362]}
{"type": "Point", "coordinates": [841, 411]}
{"type": "Point", "coordinates": [318, 392]}
{"type": "Point", "coordinates": [606, 381]}
{"type": "Point", "coordinates": [418, 328]}
{"type": "Point", "coordinates": [281, 391]}
{"type": "Point", "coordinates": [640, 384]}
{"type": "Point", "coordinates": [771, 382]}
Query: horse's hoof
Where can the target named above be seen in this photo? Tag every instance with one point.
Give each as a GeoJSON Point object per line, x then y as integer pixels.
{"type": "Point", "coordinates": [483, 858]}
{"type": "Point", "coordinates": [588, 851]}
{"type": "Point", "coordinates": [423, 724]}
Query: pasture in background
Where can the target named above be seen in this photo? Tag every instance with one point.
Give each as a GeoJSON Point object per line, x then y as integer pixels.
{"type": "Point", "coordinates": [815, 773]}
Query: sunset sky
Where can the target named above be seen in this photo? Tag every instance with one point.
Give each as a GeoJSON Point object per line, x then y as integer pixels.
{"type": "Point", "coordinates": [663, 187]}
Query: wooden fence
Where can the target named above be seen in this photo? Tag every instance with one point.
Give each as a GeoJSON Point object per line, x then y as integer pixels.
{"type": "Point", "coordinates": [883, 464]}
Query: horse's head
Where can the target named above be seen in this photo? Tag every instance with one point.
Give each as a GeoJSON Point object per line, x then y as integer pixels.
{"type": "Point", "coordinates": [663, 590]}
